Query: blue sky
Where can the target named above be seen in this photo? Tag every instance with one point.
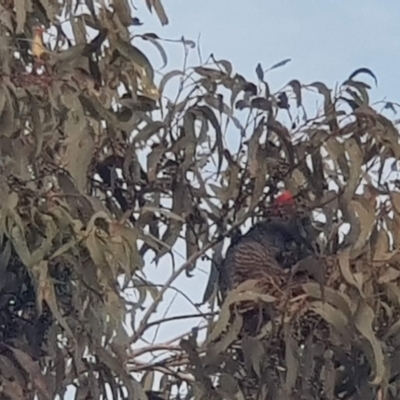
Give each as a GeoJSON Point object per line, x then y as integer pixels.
{"type": "Point", "coordinates": [326, 40]}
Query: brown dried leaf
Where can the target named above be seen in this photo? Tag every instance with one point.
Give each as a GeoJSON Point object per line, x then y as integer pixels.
{"type": "Point", "coordinates": [78, 150]}
{"type": "Point", "coordinates": [291, 358]}
{"type": "Point", "coordinates": [209, 114]}
{"type": "Point", "coordinates": [153, 159]}
{"type": "Point", "coordinates": [95, 243]}
{"type": "Point", "coordinates": [356, 161]}
{"type": "Point", "coordinates": [364, 321]}
{"type": "Point", "coordinates": [390, 275]}
{"type": "Point", "coordinates": [254, 353]}
{"type": "Point", "coordinates": [51, 8]}
{"type": "Point", "coordinates": [253, 152]}
{"type": "Point", "coordinates": [135, 390]}
{"type": "Point", "coordinates": [181, 205]}
{"type": "Point", "coordinates": [142, 66]}
{"type": "Point", "coordinates": [192, 246]}
{"type": "Point", "coordinates": [394, 223]}
{"type": "Point", "coordinates": [79, 29]}
{"type": "Point", "coordinates": [8, 116]}
{"type": "Point", "coordinates": [246, 291]}
{"type": "Point", "coordinates": [129, 237]}
{"type": "Point", "coordinates": [230, 387]}
{"type": "Point", "coordinates": [3, 97]}
{"type": "Point", "coordinates": [366, 216]}
{"type": "Point", "coordinates": [19, 243]}
{"type": "Point", "coordinates": [157, 5]}
{"type": "Point", "coordinates": [337, 299]}
{"type": "Point", "coordinates": [334, 317]}
{"type": "Point", "coordinates": [382, 246]}
{"type": "Point", "coordinates": [45, 293]}
{"type": "Point", "coordinates": [147, 380]}
{"type": "Point", "coordinates": [21, 8]}
{"type": "Point", "coordinates": [228, 337]}
{"type": "Point", "coordinates": [232, 176]}
{"type": "Point", "coordinates": [352, 279]}
{"type": "Point", "coordinates": [123, 10]}
{"type": "Point", "coordinates": [34, 372]}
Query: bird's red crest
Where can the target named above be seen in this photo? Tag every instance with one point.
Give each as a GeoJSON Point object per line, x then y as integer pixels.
{"type": "Point", "coordinates": [284, 199]}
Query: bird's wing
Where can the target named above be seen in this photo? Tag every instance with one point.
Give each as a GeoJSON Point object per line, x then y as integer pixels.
{"type": "Point", "coordinates": [248, 259]}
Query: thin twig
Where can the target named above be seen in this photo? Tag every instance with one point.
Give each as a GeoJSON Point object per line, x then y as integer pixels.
{"type": "Point", "coordinates": [178, 317]}
{"type": "Point", "coordinates": [180, 375]}
{"type": "Point", "coordinates": [157, 347]}
{"type": "Point", "coordinates": [143, 325]}
{"type": "Point", "coordinates": [164, 316]}
{"type": "Point", "coordinates": [170, 280]}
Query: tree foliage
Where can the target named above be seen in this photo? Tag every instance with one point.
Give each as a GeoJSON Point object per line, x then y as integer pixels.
{"type": "Point", "coordinates": [99, 168]}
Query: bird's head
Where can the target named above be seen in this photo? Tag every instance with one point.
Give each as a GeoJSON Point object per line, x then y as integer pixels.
{"type": "Point", "coordinates": [285, 198]}
{"type": "Point", "coordinates": [284, 204]}
{"type": "Point", "coordinates": [297, 214]}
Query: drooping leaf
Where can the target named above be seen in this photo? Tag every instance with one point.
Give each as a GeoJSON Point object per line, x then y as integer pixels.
{"type": "Point", "coordinates": [158, 7]}
{"type": "Point", "coordinates": [254, 354]}
{"type": "Point", "coordinates": [21, 10]}
{"type": "Point", "coordinates": [296, 86]}
{"type": "Point", "coordinates": [215, 124]}
{"type": "Point", "coordinates": [123, 10]}
{"type": "Point", "coordinates": [363, 71]}
{"type": "Point", "coordinates": [158, 46]}
{"type": "Point", "coordinates": [364, 320]}
{"type": "Point", "coordinates": [168, 76]}
{"type": "Point", "coordinates": [225, 64]}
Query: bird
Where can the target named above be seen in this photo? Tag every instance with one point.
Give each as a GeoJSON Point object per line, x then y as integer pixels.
{"type": "Point", "coordinates": [268, 248]}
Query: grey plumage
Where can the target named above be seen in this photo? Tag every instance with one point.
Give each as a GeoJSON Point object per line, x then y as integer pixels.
{"type": "Point", "coordinates": [267, 248]}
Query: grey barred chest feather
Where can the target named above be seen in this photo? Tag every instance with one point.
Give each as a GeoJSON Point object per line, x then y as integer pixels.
{"type": "Point", "coordinates": [248, 260]}
{"type": "Point", "coordinates": [260, 253]}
